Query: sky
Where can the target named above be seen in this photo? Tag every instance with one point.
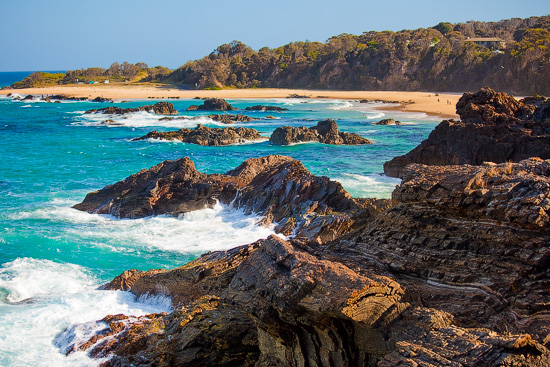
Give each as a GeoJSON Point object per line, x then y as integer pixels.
{"type": "Point", "coordinates": [71, 34]}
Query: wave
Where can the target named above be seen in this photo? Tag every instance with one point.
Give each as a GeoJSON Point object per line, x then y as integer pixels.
{"type": "Point", "coordinates": [144, 119]}
{"type": "Point", "coordinates": [218, 228]}
{"type": "Point", "coordinates": [64, 302]}
{"type": "Point", "coordinates": [368, 186]}
{"type": "Point", "coordinates": [341, 105]}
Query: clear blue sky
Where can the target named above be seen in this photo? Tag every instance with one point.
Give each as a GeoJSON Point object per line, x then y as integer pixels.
{"type": "Point", "coordinates": [70, 34]}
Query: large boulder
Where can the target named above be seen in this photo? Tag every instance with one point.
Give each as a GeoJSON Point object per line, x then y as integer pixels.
{"type": "Point", "coordinates": [212, 104]}
{"type": "Point", "coordinates": [161, 108]}
{"type": "Point", "coordinates": [230, 119]}
{"type": "Point", "coordinates": [325, 132]}
{"type": "Point", "coordinates": [494, 127]}
{"type": "Point", "coordinates": [204, 135]}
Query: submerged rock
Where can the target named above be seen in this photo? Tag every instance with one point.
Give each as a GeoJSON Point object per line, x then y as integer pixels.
{"type": "Point", "coordinates": [494, 127]}
{"type": "Point", "coordinates": [325, 132]}
{"type": "Point", "coordinates": [212, 104]}
{"type": "Point", "coordinates": [161, 108]}
{"type": "Point", "coordinates": [203, 135]}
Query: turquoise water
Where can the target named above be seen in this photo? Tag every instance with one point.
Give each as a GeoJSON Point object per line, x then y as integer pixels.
{"type": "Point", "coordinates": [53, 257]}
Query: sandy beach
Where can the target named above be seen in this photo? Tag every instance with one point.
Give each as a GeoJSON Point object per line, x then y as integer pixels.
{"type": "Point", "coordinates": [442, 105]}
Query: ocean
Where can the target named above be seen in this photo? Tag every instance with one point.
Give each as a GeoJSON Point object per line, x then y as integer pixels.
{"type": "Point", "coordinates": [53, 257]}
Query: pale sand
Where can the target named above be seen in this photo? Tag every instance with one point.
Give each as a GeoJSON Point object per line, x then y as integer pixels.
{"type": "Point", "coordinates": [423, 101]}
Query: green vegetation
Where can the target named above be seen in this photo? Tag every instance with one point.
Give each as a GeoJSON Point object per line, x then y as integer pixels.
{"type": "Point", "coordinates": [39, 79]}
{"type": "Point", "coordinates": [437, 58]}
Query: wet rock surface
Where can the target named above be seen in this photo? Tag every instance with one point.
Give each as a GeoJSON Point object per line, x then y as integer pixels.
{"type": "Point", "coordinates": [160, 108]}
{"type": "Point", "coordinates": [204, 135]}
{"type": "Point", "coordinates": [494, 127]}
{"type": "Point", "coordinates": [325, 132]}
{"type": "Point", "coordinates": [387, 122]}
{"type": "Point", "coordinates": [230, 119]}
{"type": "Point", "coordinates": [212, 104]}
{"type": "Point", "coordinates": [265, 108]}
{"type": "Point", "coordinates": [278, 188]}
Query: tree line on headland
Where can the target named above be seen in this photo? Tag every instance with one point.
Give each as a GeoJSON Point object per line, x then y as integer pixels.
{"type": "Point", "coordinates": [440, 58]}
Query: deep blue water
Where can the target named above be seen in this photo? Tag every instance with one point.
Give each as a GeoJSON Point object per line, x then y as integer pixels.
{"type": "Point", "coordinates": [53, 155]}
{"type": "Point", "coordinates": [10, 77]}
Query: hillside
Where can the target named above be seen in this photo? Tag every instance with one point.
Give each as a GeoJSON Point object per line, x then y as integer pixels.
{"type": "Point", "coordinates": [440, 58]}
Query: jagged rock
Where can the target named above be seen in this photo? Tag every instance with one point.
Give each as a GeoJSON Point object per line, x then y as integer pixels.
{"type": "Point", "coordinates": [102, 100]}
{"type": "Point", "coordinates": [269, 117]}
{"type": "Point", "coordinates": [29, 97]}
{"type": "Point", "coordinates": [294, 95]}
{"type": "Point", "coordinates": [204, 135]}
{"type": "Point", "coordinates": [230, 119]}
{"type": "Point", "coordinates": [276, 187]}
{"type": "Point", "coordinates": [161, 108]}
{"type": "Point", "coordinates": [265, 108]}
{"type": "Point", "coordinates": [212, 104]}
{"type": "Point", "coordinates": [471, 241]}
{"type": "Point", "coordinates": [325, 132]}
{"type": "Point", "coordinates": [495, 127]}
{"type": "Point", "coordinates": [64, 97]}
{"type": "Point", "coordinates": [387, 122]}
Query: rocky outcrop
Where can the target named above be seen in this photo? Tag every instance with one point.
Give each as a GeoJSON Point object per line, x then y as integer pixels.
{"type": "Point", "coordinates": [212, 104]}
{"type": "Point", "coordinates": [494, 127]}
{"type": "Point", "coordinates": [160, 108]}
{"type": "Point", "coordinates": [63, 97]}
{"type": "Point", "coordinates": [387, 122]}
{"type": "Point", "coordinates": [204, 135]}
{"type": "Point", "coordinates": [265, 108]}
{"type": "Point", "coordinates": [102, 100]}
{"type": "Point", "coordinates": [454, 273]}
{"type": "Point", "coordinates": [230, 119]}
{"type": "Point", "coordinates": [276, 187]}
{"type": "Point", "coordinates": [325, 132]}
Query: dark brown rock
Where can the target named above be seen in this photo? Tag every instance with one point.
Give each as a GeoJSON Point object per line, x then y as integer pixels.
{"type": "Point", "coordinates": [212, 104]}
{"type": "Point", "coordinates": [230, 119]}
{"type": "Point", "coordinates": [495, 127]}
{"type": "Point", "coordinates": [265, 108]}
{"type": "Point", "coordinates": [102, 100]}
{"type": "Point", "coordinates": [161, 108]}
{"type": "Point", "coordinates": [204, 135]}
{"type": "Point", "coordinates": [387, 122]}
{"type": "Point", "coordinates": [325, 132]}
{"type": "Point", "coordinates": [276, 187]}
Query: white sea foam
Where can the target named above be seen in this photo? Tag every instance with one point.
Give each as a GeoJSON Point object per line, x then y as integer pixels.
{"type": "Point", "coordinates": [368, 186]}
{"type": "Point", "coordinates": [219, 228]}
{"type": "Point", "coordinates": [31, 331]}
{"type": "Point", "coordinates": [341, 105]}
{"type": "Point", "coordinates": [144, 119]}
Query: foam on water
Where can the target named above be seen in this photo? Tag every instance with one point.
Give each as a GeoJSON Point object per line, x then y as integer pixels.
{"type": "Point", "coordinates": [62, 295]}
{"type": "Point", "coordinates": [369, 186]}
{"type": "Point", "coordinates": [145, 119]}
{"type": "Point", "coordinates": [219, 228]}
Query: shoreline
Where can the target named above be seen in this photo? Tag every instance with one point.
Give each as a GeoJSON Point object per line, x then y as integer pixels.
{"type": "Point", "coordinates": [424, 102]}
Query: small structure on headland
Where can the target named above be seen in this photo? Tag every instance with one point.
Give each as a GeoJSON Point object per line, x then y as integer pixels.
{"type": "Point", "coordinates": [489, 42]}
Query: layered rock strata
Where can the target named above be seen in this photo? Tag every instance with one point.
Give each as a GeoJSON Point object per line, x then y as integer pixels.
{"type": "Point", "coordinates": [204, 135]}
{"type": "Point", "coordinates": [454, 273]}
{"type": "Point", "coordinates": [494, 127]}
{"type": "Point", "coordinates": [325, 132]}
{"type": "Point", "coordinates": [161, 108]}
